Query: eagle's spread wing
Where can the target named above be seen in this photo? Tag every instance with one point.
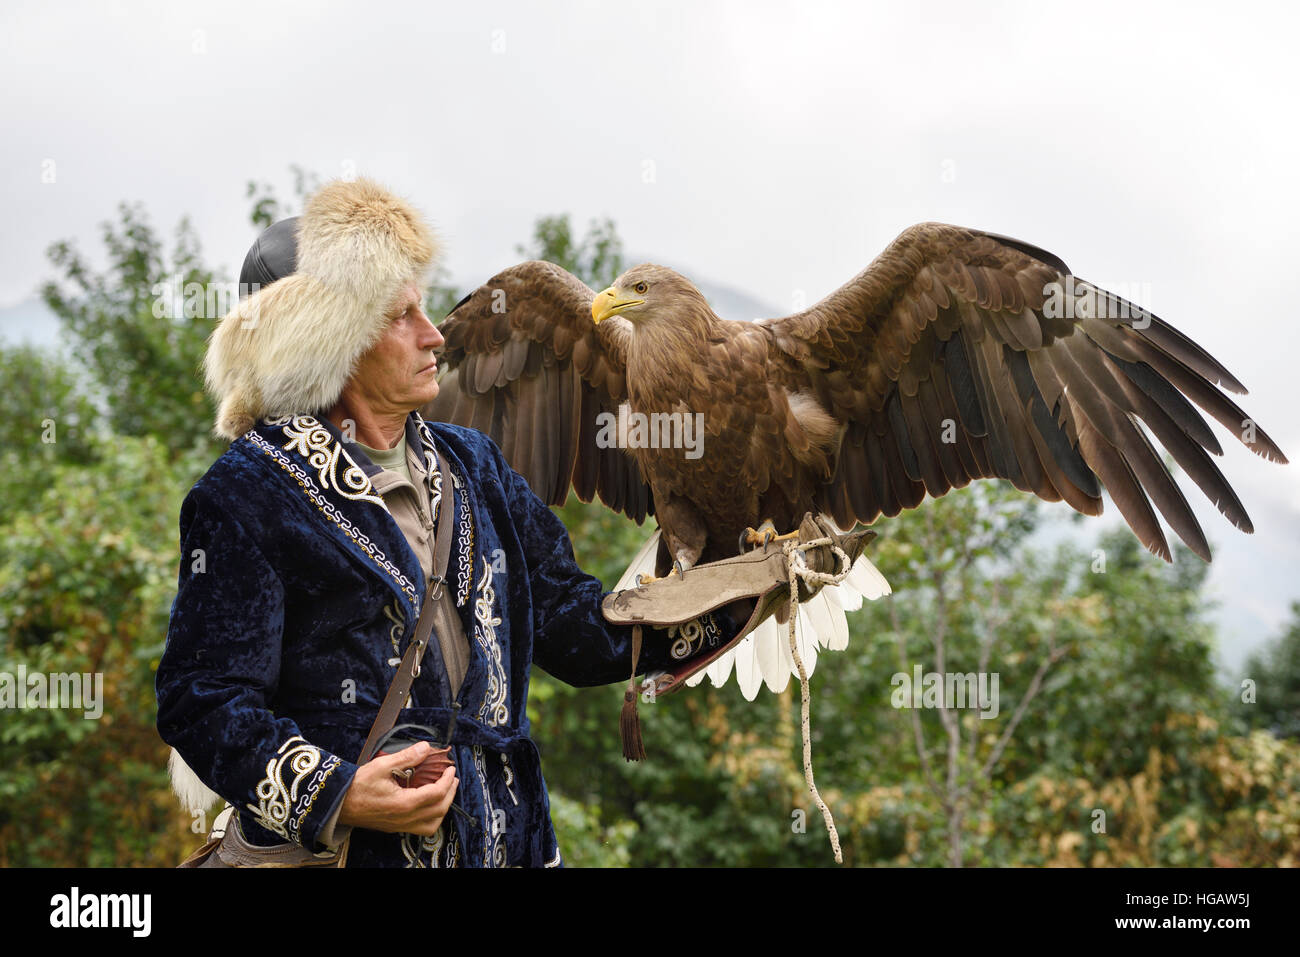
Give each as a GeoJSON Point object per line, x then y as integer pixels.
{"type": "Point", "coordinates": [959, 355]}
{"type": "Point", "coordinates": [524, 363]}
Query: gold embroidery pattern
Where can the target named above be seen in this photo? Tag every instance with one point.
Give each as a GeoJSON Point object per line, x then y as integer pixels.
{"type": "Point", "coordinates": [282, 806]}
{"type": "Point", "coordinates": [333, 514]}
{"type": "Point", "coordinates": [494, 849]}
{"type": "Point", "coordinates": [508, 774]}
{"type": "Point", "coordinates": [464, 543]}
{"type": "Point", "coordinates": [314, 442]}
{"type": "Point", "coordinates": [690, 636]}
{"type": "Point", "coordinates": [453, 849]}
{"type": "Point", "coordinates": [415, 846]}
{"type": "Point", "coordinates": [493, 711]}
{"type": "Point", "coordinates": [396, 631]}
{"type": "Point", "coordinates": [432, 473]}
{"type": "Point", "coordinates": [435, 489]}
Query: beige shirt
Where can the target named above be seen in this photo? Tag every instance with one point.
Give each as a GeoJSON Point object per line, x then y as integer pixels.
{"type": "Point", "coordinates": [394, 459]}
{"type": "Point", "coordinates": [408, 503]}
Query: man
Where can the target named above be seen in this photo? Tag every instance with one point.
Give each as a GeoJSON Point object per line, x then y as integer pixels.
{"type": "Point", "coordinates": [307, 549]}
{"type": "Point", "coordinates": [305, 564]}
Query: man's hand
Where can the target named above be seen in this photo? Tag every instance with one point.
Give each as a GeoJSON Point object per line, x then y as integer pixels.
{"type": "Point", "coordinates": [376, 801]}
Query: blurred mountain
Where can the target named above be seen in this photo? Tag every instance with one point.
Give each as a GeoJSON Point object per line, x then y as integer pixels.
{"type": "Point", "coordinates": [727, 301]}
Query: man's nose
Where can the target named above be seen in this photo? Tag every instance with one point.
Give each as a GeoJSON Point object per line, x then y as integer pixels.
{"type": "Point", "coordinates": [430, 337]}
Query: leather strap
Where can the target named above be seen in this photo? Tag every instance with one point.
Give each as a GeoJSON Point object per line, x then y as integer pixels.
{"type": "Point", "coordinates": [437, 605]}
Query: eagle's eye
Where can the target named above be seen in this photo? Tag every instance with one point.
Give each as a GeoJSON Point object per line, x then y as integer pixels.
{"type": "Point", "coordinates": [641, 287]}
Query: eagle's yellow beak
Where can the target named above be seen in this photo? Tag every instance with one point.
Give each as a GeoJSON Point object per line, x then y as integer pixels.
{"type": "Point", "coordinates": [611, 302]}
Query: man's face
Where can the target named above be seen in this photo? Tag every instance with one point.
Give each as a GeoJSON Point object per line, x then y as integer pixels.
{"type": "Point", "coordinates": [399, 373]}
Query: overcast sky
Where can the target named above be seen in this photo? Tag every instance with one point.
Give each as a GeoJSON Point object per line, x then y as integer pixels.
{"type": "Point", "coordinates": [775, 148]}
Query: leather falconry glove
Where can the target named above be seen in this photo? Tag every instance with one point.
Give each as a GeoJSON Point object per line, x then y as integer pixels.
{"type": "Point", "coordinates": [755, 584]}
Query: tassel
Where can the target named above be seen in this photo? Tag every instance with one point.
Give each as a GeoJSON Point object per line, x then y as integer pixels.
{"type": "Point", "coordinates": [629, 723]}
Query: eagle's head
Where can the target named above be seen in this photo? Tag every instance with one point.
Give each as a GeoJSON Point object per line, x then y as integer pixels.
{"type": "Point", "coordinates": [647, 294]}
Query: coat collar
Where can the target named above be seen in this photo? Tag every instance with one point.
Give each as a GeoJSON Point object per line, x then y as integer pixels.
{"type": "Point", "coordinates": [311, 456]}
{"type": "Point", "coordinates": [316, 461]}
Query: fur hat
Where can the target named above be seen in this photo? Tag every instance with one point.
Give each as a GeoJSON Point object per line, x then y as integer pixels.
{"type": "Point", "coordinates": [291, 346]}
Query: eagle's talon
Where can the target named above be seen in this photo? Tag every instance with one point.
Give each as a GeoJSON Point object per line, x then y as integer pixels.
{"type": "Point", "coordinates": [644, 579]}
{"type": "Point", "coordinates": [764, 535]}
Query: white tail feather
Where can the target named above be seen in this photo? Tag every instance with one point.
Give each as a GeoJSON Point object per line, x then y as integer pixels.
{"type": "Point", "coordinates": [764, 656]}
{"type": "Point", "coordinates": [643, 563]}
{"type": "Point", "coordinates": [833, 597]}
{"type": "Point", "coordinates": [748, 675]}
{"type": "Point", "coordinates": [805, 639]}
{"type": "Point", "coordinates": [866, 580]}
{"type": "Point", "coordinates": [767, 647]}
{"type": "Point", "coordinates": [193, 794]}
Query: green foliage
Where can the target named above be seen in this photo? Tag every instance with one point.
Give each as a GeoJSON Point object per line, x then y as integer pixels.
{"type": "Point", "coordinates": [584, 841]}
{"type": "Point", "coordinates": [1146, 657]}
{"type": "Point", "coordinates": [140, 326]}
{"type": "Point", "coordinates": [440, 297]}
{"type": "Point", "coordinates": [1275, 670]}
{"type": "Point", "coordinates": [46, 419]}
{"type": "Point", "coordinates": [596, 259]}
{"type": "Point", "coordinates": [85, 585]}
{"type": "Point", "coordinates": [267, 208]}
{"type": "Point", "coordinates": [1123, 728]}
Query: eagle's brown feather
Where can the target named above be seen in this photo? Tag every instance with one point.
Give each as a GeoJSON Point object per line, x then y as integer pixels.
{"type": "Point", "coordinates": [941, 363]}
{"type": "Point", "coordinates": [951, 324]}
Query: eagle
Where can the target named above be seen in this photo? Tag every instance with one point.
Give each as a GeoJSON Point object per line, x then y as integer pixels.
{"type": "Point", "coordinates": [955, 355]}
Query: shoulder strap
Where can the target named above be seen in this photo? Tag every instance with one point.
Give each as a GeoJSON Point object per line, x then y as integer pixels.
{"type": "Point", "coordinates": [436, 597]}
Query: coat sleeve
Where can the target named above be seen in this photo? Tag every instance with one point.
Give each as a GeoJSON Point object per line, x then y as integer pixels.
{"type": "Point", "coordinates": [571, 638]}
{"type": "Point", "coordinates": [219, 670]}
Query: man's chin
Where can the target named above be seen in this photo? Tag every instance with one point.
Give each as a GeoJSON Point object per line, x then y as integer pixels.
{"type": "Point", "coordinates": [426, 395]}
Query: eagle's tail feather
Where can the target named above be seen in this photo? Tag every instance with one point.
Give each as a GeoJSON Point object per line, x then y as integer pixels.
{"type": "Point", "coordinates": [764, 656]}
{"type": "Point", "coordinates": [193, 794]}
{"type": "Point", "coordinates": [748, 675]}
{"type": "Point", "coordinates": [643, 563]}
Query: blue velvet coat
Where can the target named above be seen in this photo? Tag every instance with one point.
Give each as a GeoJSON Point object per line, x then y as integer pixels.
{"type": "Point", "coordinates": [297, 595]}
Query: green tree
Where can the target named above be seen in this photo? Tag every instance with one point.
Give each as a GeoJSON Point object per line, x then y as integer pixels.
{"type": "Point", "coordinates": [139, 327]}
{"type": "Point", "coordinates": [46, 418]}
{"type": "Point", "coordinates": [267, 208]}
{"type": "Point", "coordinates": [596, 259]}
{"type": "Point", "coordinates": [86, 580]}
{"type": "Point", "coordinates": [1275, 671]}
